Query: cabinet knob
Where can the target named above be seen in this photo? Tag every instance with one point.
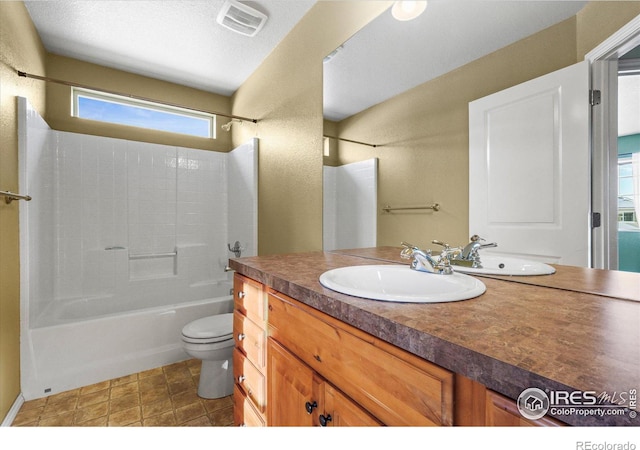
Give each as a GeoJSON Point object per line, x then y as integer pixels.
{"type": "Point", "coordinates": [241, 336]}
{"type": "Point", "coordinates": [324, 420]}
{"type": "Point", "coordinates": [241, 378]}
{"type": "Point", "coordinates": [309, 406]}
{"type": "Point", "coordinates": [241, 294]}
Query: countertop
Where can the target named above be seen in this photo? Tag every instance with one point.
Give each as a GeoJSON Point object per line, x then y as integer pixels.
{"type": "Point", "coordinates": [575, 330]}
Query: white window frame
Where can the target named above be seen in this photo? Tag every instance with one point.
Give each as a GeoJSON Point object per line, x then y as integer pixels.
{"type": "Point", "coordinates": [625, 160]}
{"type": "Point", "coordinates": [77, 92]}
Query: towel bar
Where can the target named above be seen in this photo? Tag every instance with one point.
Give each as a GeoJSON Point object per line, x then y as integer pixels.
{"type": "Point", "coordinates": [10, 196]}
{"type": "Point", "coordinates": [435, 207]}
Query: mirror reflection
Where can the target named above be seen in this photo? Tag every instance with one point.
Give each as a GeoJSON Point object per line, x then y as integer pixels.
{"type": "Point", "coordinates": [398, 91]}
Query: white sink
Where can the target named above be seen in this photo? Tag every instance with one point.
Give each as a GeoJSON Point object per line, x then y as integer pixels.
{"type": "Point", "coordinates": [499, 265]}
{"type": "Point", "coordinates": [394, 283]}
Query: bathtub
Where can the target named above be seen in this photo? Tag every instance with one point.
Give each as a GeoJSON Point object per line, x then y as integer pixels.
{"type": "Point", "coordinates": [83, 344]}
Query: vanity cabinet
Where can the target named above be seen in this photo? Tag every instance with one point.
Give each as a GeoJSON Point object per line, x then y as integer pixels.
{"type": "Point", "coordinates": [367, 378]}
{"type": "Point", "coordinates": [476, 405]}
{"type": "Point", "coordinates": [249, 355]}
{"type": "Point", "coordinates": [297, 366]}
{"type": "Point", "coordinates": [299, 396]}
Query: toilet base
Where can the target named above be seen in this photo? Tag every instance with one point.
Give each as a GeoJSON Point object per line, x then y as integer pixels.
{"type": "Point", "coordinates": [216, 379]}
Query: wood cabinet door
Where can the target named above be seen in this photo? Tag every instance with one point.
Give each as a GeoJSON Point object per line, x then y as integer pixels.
{"type": "Point", "coordinates": [396, 387]}
{"type": "Point", "coordinates": [340, 411]}
{"type": "Point", "coordinates": [292, 389]}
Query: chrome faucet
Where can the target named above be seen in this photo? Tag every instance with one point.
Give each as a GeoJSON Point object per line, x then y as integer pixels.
{"type": "Point", "coordinates": [423, 261]}
{"type": "Point", "coordinates": [470, 252]}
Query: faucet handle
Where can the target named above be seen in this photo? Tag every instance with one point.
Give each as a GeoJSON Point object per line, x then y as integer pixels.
{"type": "Point", "coordinates": [407, 250]}
{"type": "Point", "coordinates": [476, 238]}
{"type": "Point", "coordinates": [444, 244]}
{"type": "Point", "coordinates": [448, 252]}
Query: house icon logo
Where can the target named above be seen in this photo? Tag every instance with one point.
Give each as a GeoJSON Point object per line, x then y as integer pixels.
{"type": "Point", "coordinates": [533, 403]}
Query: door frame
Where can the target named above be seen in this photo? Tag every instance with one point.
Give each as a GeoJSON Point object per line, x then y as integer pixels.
{"type": "Point", "coordinates": [603, 62]}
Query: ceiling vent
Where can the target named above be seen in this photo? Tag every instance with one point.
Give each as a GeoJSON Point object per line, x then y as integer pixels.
{"type": "Point", "coordinates": [241, 18]}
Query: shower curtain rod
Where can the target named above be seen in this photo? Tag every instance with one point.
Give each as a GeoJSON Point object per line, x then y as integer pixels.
{"type": "Point", "coordinates": [349, 140]}
{"type": "Point", "coordinates": [78, 85]}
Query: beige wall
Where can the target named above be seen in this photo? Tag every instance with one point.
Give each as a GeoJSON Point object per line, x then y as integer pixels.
{"type": "Point", "coordinates": [599, 20]}
{"type": "Point", "coordinates": [285, 94]}
{"type": "Point", "coordinates": [58, 114]}
{"type": "Point", "coordinates": [20, 49]}
{"type": "Point", "coordinates": [425, 130]}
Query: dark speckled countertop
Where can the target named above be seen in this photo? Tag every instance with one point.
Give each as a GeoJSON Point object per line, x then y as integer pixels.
{"type": "Point", "coordinates": [578, 329]}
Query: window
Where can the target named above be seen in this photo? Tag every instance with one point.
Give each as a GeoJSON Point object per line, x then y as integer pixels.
{"type": "Point", "coordinates": [626, 210]}
{"type": "Point", "coordinates": [103, 107]}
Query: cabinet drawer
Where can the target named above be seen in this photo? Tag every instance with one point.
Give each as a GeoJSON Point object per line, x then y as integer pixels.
{"type": "Point", "coordinates": [244, 414]}
{"type": "Point", "coordinates": [248, 297]}
{"type": "Point", "coordinates": [250, 338]}
{"type": "Point", "coordinates": [395, 386]}
{"type": "Point", "coordinates": [250, 380]}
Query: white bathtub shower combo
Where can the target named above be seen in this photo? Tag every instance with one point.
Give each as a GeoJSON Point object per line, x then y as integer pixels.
{"type": "Point", "coordinates": [123, 244]}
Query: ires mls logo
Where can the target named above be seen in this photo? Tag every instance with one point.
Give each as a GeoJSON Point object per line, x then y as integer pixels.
{"type": "Point", "coordinates": [534, 403]}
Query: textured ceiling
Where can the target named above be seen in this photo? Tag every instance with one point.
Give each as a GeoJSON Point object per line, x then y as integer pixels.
{"type": "Point", "coordinates": [395, 56]}
{"type": "Point", "coordinates": [180, 41]}
{"type": "Point", "coordinates": [177, 41]}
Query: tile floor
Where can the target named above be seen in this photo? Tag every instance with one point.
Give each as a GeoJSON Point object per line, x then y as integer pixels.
{"type": "Point", "coordinates": [162, 397]}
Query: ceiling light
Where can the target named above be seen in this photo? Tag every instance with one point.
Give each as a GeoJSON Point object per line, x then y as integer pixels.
{"type": "Point", "coordinates": [408, 10]}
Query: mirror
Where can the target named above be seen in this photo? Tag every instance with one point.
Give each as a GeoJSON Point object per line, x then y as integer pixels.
{"type": "Point", "coordinates": [378, 103]}
{"type": "Point", "coordinates": [389, 56]}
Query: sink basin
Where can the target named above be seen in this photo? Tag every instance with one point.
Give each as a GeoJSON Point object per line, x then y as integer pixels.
{"type": "Point", "coordinates": [394, 283]}
{"type": "Point", "coordinates": [499, 265]}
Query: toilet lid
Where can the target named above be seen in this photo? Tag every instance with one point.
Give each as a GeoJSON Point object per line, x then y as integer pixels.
{"type": "Point", "coordinates": [210, 329]}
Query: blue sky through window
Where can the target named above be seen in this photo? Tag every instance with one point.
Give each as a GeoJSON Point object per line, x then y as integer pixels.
{"type": "Point", "coordinates": [123, 114]}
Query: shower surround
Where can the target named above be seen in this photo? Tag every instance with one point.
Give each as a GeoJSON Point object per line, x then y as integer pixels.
{"type": "Point", "coordinates": [122, 245]}
{"type": "Point", "coordinates": [350, 202]}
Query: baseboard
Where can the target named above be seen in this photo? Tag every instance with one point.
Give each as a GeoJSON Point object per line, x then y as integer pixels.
{"type": "Point", "coordinates": [13, 412]}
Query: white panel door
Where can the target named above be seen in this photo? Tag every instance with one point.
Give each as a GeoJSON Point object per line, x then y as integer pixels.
{"type": "Point", "coordinates": [529, 180]}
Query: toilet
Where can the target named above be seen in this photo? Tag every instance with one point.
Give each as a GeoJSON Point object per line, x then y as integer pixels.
{"type": "Point", "coordinates": [211, 340]}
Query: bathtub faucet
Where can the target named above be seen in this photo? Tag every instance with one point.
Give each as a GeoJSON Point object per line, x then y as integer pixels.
{"type": "Point", "coordinates": [236, 249]}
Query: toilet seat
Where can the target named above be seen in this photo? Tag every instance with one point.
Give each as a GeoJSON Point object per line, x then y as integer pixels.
{"type": "Point", "coordinates": [208, 330]}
